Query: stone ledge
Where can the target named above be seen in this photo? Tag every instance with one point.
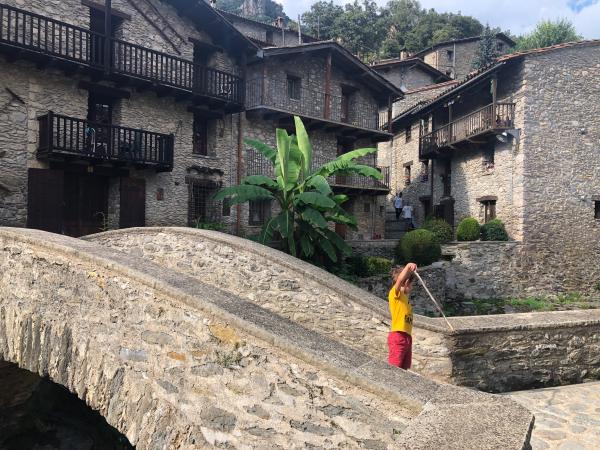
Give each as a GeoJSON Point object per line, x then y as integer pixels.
{"type": "Point", "coordinates": [439, 407]}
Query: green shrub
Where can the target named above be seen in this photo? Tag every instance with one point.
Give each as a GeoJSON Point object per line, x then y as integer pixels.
{"type": "Point", "coordinates": [440, 229]}
{"type": "Point", "coordinates": [215, 226]}
{"type": "Point", "coordinates": [419, 246]}
{"type": "Point", "coordinates": [468, 230]}
{"type": "Point", "coordinates": [494, 231]}
{"type": "Point", "coordinates": [367, 266]}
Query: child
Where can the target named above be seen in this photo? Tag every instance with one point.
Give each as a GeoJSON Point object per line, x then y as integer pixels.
{"type": "Point", "coordinates": [399, 338]}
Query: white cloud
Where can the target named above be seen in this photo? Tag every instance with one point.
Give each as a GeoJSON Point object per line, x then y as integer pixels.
{"type": "Point", "coordinates": [518, 16]}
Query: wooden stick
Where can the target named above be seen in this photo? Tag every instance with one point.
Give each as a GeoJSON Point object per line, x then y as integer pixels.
{"type": "Point", "coordinates": [437, 305]}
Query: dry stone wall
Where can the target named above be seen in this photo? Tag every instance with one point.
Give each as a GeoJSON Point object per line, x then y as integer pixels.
{"type": "Point", "coordinates": [173, 363]}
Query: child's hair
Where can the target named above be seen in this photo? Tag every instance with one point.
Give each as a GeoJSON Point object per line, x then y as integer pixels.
{"type": "Point", "coordinates": [395, 272]}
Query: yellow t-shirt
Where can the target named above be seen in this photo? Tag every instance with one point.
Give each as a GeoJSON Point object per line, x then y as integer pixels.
{"type": "Point", "coordinates": [401, 312]}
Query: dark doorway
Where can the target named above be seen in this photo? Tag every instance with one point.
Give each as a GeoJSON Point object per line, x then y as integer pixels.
{"type": "Point", "coordinates": [100, 116]}
{"type": "Point", "coordinates": [97, 41]}
{"type": "Point", "coordinates": [36, 413]}
{"type": "Point", "coordinates": [133, 203]}
{"type": "Point", "coordinates": [45, 200]}
{"type": "Point", "coordinates": [85, 204]}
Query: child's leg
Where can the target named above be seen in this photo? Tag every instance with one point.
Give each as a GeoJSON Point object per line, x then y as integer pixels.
{"type": "Point", "coordinates": [394, 350]}
{"type": "Point", "coordinates": [407, 356]}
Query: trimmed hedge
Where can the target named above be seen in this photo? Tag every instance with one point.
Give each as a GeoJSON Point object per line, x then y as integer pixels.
{"type": "Point", "coordinates": [468, 230]}
{"type": "Point", "coordinates": [494, 231]}
{"type": "Point", "coordinates": [440, 228]}
{"type": "Point", "coordinates": [367, 266]}
{"type": "Point", "coordinates": [419, 246]}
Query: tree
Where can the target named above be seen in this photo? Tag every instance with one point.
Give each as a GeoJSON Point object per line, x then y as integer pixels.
{"type": "Point", "coordinates": [319, 21]}
{"type": "Point", "coordinates": [548, 33]}
{"type": "Point", "coordinates": [487, 51]}
{"type": "Point", "coordinates": [306, 202]}
{"type": "Point", "coordinates": [360, 29]}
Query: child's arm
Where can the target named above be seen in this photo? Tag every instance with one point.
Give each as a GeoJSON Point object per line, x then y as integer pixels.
{"type": "Point", "coordinates": [404, 275]}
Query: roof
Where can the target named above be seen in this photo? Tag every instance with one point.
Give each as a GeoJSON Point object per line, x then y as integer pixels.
{"type": "Point", "coordinates": [430, 87]}
{"type": "Point", "coordinates": [344, 55]}
{"type": "Point", "coordinates": [202, 13]}
{"type": "Point", "coordinates": [387, 63]}
{"type": "Point", "coordinates": [476, 76]}
{"type": "Point", "coordinates": [230, 15]}
{"type": "Point", "coordinates": [501, 36]}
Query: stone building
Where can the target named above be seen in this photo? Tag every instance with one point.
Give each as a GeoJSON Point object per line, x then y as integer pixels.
{"type": "Point", "coordinates": [409, 73]}
{"type": "Point", "coordinates": [517, 141]}
{"type": "Point", "coordinates": [455, 58]}
{"type": "Point", "coordinates": [142, 126]}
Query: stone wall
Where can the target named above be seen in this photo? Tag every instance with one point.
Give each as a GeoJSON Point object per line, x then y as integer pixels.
{"type": "Point", "coordinates": [406, 76]}
{"type": "Point", "coordinates": [186, 365]}
{"type": "Point", "coordinates": [379, 247]}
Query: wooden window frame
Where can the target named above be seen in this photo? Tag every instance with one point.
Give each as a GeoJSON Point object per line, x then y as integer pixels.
{"type": "Point", "coordinates": [264, 212]}
{"type": "Point", "coordinates": [489, 210]}
{"type": "Point", "coordinates": [294, 87]}
{"type": "Point", "coordinates": [408, 134]}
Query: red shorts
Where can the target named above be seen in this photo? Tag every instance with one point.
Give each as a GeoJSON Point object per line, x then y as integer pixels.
{"type": "Point", "coordinates": [400, 349]}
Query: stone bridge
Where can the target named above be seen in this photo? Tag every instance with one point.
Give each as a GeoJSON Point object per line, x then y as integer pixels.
{"type": "Point", "coordinates": [181, 352]}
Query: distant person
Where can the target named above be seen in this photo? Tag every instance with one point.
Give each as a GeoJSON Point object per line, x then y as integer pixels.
{"type": "Point", "coordinates": [407, 214]}
{"type": "Point", "coordinates": [400, 335]}
{"type": "Point", "coordinates": [398, 205]}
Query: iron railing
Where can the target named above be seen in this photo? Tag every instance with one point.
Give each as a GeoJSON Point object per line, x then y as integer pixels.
{"type": "Point", "coordinates": [277, 94]}
{"type": "Point", "coordinates": [489, 118]}
{"type": "Point", "coordinates": [33, 32]}
{"type": "Point", "coordinates": [68, 136]}
{"type": "Point", "coordinates": [257, 164]}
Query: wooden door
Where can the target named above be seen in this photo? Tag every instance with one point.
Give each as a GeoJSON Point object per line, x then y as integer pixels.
{"type": "Point", "coordinates": [85, 204]}
{"type": "Point", "coordinates": [133, 203]}
{"type": "Point", "coordinates": [45, 200]}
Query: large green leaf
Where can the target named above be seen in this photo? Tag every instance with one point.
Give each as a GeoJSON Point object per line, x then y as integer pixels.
{"type": "Point", "coordinates": [320, 184]}
{"type": "Point", "coordinates": [341, 219]}
{"type": "Point", "coordinates": [341, 245]}
{"type": "Point", "coordinates": [308, 248]}
{"type": "Point", "coordinates": [315, 199]}
{"type": "Point", "coordinates": [264, 149]}
{"type": "Point", "coordinates": [243, 193]}
{"type": "Point", "coordinates": [304, 145]}
{"type": "Point", "coordinates": [260, 180]}
{"type": "Point", "coordinates": [283, 153]}
{"type": "Point", "coordinates": [285, 224]}
{"type": "Point", "coordinates": [328, 249]}
{"type": "Point", "coordinates": [340, 198]}
{"type": "Point", "coordinates": [358, 153]}
{"type": "Point", "coordinates": [314, 217]}
{"type": "Point", "coordinates": [266, 234]}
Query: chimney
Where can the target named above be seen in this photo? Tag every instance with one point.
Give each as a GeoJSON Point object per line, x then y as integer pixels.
{"type": "Point", "coordinates": [213, 3]}
{"type": "Point", "coordinates": [404, 55]}
{"type": "Point", "coordinates": [278, 22]}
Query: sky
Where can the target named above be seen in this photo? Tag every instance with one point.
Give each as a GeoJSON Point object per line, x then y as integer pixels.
{"type": "Point", "coordinates": [517, 16]}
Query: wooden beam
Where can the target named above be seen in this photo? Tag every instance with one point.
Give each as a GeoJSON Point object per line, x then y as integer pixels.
{"type": "Point", "coordinates": [102, 8]}
{"type": "Point", "coordinates": [103, 90]}
{"type": "Point", "coordinates": [327, 106]}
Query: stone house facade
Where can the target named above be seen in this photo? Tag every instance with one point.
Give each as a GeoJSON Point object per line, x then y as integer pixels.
{"type": "Point", "coordinates": [409, 73]}
{"type": "Point", "coordinates": [142, 127]}
{"type": "Point", "coordinates": [517, 141]}
{"type": "Point", "coordinates": [455, 58]}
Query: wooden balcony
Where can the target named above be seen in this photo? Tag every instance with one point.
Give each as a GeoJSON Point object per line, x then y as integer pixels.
{"type": "Point", "coordinates": [47, 41]}
{"type": "Point", "coordinates": [67, 138]}
{"type": "Point", "coordinates": [490, 119]}
{"type": "Point", "coordinates": [256, 164]}
{"type": "Point", "coordinates": [317, 108]}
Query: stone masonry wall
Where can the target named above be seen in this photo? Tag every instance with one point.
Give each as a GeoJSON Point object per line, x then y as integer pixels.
{"type": "Point", "coordinates": [561, 165]}
{"type": "Point", "coordinates": [405, 76]}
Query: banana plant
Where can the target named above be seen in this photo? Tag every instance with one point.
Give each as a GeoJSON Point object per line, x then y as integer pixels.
{"type": "Point", "coordinates": [307, 204]}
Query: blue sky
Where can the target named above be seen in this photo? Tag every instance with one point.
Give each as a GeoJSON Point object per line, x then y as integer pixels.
{"type": "Point", "coordinates": [518, 16]}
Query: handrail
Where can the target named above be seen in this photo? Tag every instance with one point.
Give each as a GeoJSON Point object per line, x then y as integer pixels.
{"type": "Point", "coordinates": [60, 134]}
{"type": "Point", "coordinates": [23, 29]}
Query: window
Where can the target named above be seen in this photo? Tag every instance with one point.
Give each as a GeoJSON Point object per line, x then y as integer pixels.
{"type": "Point", "coordinates": [201, 206]}
{"type": "Point", "coordinates": [488, 160]}
{"type": "Point", "coordinates": [408, 134]}
{"type": "Point", "coordinates": [200, 142]}
{"type": "Point", "coordinates": [406, 175]}
{"type": "Point", "coordinates": [500, 47]}
{"type": "Point", "coordinates": [450, 55]}
{"type": "Point", "coordinates": [345, 116]}
{"type": "Point", "coordinates": [424, 171]}
{"type": "Point", "coordinates": [597, 210]}
{"type": "Point", "coordinates": [367, 207]}
{"type": "Point", "coordinates": [260, 211]}
{"type": "Point", "coordinates": [269, 37]}
{"type": "Point", "coordinates": [293, 87]}
{"type": "Point", "coordinates": [489, 210]}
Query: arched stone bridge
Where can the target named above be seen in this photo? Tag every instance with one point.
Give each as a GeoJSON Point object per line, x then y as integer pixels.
{"type": "Point", "coordinates": [175, 351]}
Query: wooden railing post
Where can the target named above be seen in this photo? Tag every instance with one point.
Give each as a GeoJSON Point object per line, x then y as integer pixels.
{"type": "Point", "coordinates": [50, 126]}
{"type": "Point", "coordinates": [107, 34]}
{"type": "Point", "coordinates": [327, 99]}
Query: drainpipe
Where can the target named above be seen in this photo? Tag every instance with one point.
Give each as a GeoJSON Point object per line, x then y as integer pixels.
{"type": "Point", "coordinates": [240, 150]}
{"type": "Point", "coordinates": [107, 34]}
{"type": "Point", "coordinates": [432, 184]}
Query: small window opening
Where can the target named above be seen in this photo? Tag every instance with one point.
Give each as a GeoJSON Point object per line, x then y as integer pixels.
{"type": "Point", "coordinates": [200, 141]}
{"type": "Point", "coordinates": [293, 87]}
{"type": "Point", "coordinates": [488, 160]}
{"type": "Point", "coordinates": [406, 175]}
{"type": "Point", "coordinates": [260, 211]}
{"type": "Point", "coordinates": [489, 207]}
{"type": "Point", "coordinates": [424, 171]}
{"type": "Point", "coordinates": [597, 210]}
{"type": "Point", "coordinates": [408, 134]}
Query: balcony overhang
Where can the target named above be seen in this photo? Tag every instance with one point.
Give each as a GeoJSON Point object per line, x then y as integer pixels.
{"type": "Point", "coordinates": [285, 119]}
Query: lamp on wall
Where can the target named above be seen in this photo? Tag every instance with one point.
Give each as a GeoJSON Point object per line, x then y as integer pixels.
{"type": "Point", "coordinates": [503, 137]}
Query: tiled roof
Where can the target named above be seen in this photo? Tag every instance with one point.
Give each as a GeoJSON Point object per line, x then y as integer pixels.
{"type": "Point", "coordinates": [502, 36]}
{"type": "Point", "coordinates": [430, 87]}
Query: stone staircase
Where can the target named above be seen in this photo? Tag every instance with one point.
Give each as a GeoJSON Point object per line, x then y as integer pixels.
{"type": "Point", "coordinates": [393, 229]}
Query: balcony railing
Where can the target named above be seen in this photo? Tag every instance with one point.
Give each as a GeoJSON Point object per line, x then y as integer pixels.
{"type": "Point", "coordinates": [316, 104]}
{"type": "Point", "coordinates": [62, 136]}
{"type": "Point", "coordinates": [489, 118]}
{"type": "Point", "coordinates": [35, 33]}
{"type": "Point", "coordinates": [257, 164]}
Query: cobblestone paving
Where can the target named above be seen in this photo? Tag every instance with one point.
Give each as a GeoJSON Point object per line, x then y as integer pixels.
{"type": "Point", "coordinates": [566, 418]}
